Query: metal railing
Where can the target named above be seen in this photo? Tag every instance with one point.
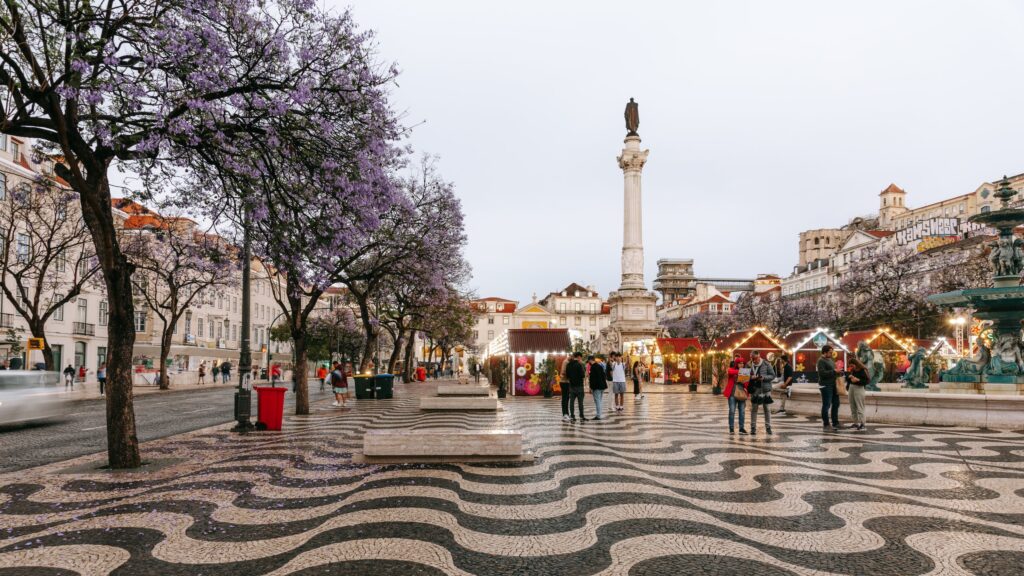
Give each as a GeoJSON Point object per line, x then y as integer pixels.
{"type": "Point", "coordinates": [83, 329]}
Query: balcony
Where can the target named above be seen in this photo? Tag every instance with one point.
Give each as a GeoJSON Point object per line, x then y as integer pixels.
{"type": "Point", "coordinates": [6, 320]}
{"type": "Point", "coordinates": [83, 329]}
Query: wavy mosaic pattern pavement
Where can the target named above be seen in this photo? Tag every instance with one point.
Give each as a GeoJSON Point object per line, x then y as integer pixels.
{"type": "Point", "coordinates": [660, 489]}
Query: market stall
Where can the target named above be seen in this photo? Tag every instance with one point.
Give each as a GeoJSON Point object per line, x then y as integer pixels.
{"type": "Point", "coordinates": [528, 351]}
{"type": "Point", "coordinates": [893, 347]}
{"type": "Point", "coordinates": [744, 342]}
{"type": "Point", "coordinates": [678, 360]}
{"type": "Point", "coordinates": [804, 347]}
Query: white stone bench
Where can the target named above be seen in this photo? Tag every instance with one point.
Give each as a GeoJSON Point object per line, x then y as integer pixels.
{"type": "Point", "coordinates": [437, 443]}
{"type": "Point", "coordinates": [462, 390]}
{"type": "Point", "coordinates": [458, 403]}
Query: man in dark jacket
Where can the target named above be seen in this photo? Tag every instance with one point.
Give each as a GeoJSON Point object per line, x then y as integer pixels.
{"type": "Point", "coordinates": [574, 375]}
{"type": "Point", "coordinates": [598, 384]}
{"type": "Point", "coordinates": [827, 385]}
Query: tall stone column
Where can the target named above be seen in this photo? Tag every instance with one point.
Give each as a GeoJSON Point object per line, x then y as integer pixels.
{"type": "Point", "coordinates": [632, 161]}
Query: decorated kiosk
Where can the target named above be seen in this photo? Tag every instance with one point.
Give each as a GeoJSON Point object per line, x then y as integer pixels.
{"type": "Point", "coordinates": [528, 350]}
{"type": "Point", "coordinates": [744, 342]}
{"type": "Point", "coordinates": [804, 347]}
{"type": "Point", "coordinates": [680, 360]}
{"type": "Point", "coordinates": [886, 349]}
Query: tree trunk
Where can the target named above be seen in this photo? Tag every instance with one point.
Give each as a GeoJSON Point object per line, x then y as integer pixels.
{"type": "Point", "coordinates": [396, 351]}
{"type": "Point", "coordinates": [371, 335]}
{"type": "Point", "coordinates": [299, 373]}
{"type": "Point", "coordinates": [39, 331]}
{"type": "Point", "coordinates": [122, 442]}
{"type": "Point", "coordinates": [410, 352]}
{"type": "Point", "coordinates": [165, 350]}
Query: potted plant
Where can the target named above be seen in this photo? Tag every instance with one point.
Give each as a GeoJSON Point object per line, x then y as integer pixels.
{"type": "Point", "coordinates": [690, 351]}
{"type": "Point", "coordinates": [719, 368]}
{"type": "Point", "coordinates": [500, 373]}
{"type": "Point", "coordinates": [547, 374]}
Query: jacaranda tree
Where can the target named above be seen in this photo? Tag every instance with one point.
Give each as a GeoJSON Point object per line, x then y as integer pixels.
{"type": "Point", "coordinates": [142, 82]}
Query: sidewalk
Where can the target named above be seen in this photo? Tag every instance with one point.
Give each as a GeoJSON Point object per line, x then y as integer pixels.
{"type": "Point", "coordinates": [91, 390]}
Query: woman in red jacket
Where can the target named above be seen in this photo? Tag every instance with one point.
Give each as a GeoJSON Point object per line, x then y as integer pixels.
{"type": "Point", "coordinates": [735, 405]}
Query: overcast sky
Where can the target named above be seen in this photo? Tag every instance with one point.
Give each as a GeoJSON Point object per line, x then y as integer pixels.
{"type": "Point", "coordinates": [762, 119]}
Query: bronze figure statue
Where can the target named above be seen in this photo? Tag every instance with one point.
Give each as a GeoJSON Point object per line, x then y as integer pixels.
{"type": "Point", "coordinates": [632, 117]}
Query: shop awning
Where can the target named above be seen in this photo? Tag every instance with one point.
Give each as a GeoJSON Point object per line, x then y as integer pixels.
{"type": "Point", "coordinates": [529, 341]}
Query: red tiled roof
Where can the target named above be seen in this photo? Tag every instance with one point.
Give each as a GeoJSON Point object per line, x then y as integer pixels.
{"type": "Point", "coordinates": [892, 188]}
{"type": "Point", "coordinates": [525, 340]}
{"type": "Point", "coordinates": [880, 233]}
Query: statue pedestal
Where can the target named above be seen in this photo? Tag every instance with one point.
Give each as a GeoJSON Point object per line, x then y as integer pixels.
{"type": "Point", "coordinates": [634, 316]}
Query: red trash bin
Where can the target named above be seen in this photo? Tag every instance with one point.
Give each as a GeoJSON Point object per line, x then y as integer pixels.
{"type": "Point", "coordinates": [271, 406]}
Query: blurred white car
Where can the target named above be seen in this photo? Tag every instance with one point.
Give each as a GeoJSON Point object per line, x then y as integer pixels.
{"type": "Point", "coordinates": [27, 395]}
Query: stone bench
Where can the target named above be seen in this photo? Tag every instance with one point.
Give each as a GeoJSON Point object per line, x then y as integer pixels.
{"type": "Point", "coordinates": [438, 443]}
{"type": "Point", "coordinates": [462, 390]}
{"type": "Point", "coordinates": [458, 403]}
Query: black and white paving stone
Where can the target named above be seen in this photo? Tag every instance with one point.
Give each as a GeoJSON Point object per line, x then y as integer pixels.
{"type": "Point", "coordinates": [659, 489]}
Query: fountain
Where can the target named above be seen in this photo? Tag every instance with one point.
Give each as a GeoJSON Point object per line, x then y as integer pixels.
{"type": "Point", "coordinates": [1002, 361]}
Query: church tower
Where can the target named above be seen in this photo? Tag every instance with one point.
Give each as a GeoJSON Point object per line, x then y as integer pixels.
{"type": "Point", "coordinates": [892, 204]}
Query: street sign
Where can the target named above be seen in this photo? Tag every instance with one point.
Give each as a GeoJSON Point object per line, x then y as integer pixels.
{"type": "Point", "coordinates": [36, 344]}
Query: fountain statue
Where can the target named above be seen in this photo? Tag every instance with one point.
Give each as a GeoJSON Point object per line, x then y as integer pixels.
{"type": "Point", "coordinates": [1002, 361]}
{"type": "Point", "coordinates": [874, 362]}
{"type": "Point", "coordinates": [918, 374]}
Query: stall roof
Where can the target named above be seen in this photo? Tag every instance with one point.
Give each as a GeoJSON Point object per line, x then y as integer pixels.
{"type": "Point", "coordinates": [851, 339]}
{"type": "Point", "coordinates": [736, 340]}
{"type": "Point", "coordinates": [528, 340]}
{"type": "Point", "coordinates": [677, 345]}
{"type": "Point", "coordinates": [801, 338]}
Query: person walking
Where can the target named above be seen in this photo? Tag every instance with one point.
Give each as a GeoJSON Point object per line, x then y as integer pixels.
{"type": "Point", "coordinates": [737, 402]}
{"type": "Point", "coordinates": [339, 385]}
{"type": "Point", "coordinates": [784, 387]}
{"type": "Point", "coordinates": [618, 371]}
{"type": "Point", "coordinates": [275, 374]}
{"type": "Point", "coordinates": [760, 388]}
{"type": "Point", "coordinates": [69, 377]}
{"type": "Point", "coordinates": [598, 380]}
{"type": "Point", "coordinates": [565, 387]}
{"type": "Point", "coordinates": [577, 374]}
{"type": "Point", "coordinates": [639, 372]}
{"type": "Point", "coordinates": [202, 372]}
{"type": "Point", "coordinates": [215, 371]}
{"type": "Point", "coordinates": [855, 389]}
{"type": "Point", "coordinates": [225, 371]}
{"type": "Point", "coordinates": [101, 377]}
{"type": "Point", "coordinates": [321, 375]}
{"type": "Point", "coordinates": [81, 373]}
{"type": "Point", "coordinates": [827, 375]}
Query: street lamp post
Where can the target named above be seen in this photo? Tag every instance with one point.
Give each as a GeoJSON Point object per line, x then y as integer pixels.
{"type": "Point", "coordinates": [958, 333]}
{"type": "Point", "coordinates": [243, 396]}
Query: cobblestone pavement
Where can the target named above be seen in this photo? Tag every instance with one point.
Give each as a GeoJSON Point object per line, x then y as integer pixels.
{"type": "Point", "coordinates": [659, 489]}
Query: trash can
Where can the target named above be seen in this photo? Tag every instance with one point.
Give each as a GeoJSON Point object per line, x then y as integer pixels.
{"type": "Point", "coordinates": [384, 386]}
{"type": "Point", "coordinates": [270, 408]}
{"type": "Point", "coordinates": [364, 387]}
{"type": "Point", "coordinates": [421, 374]}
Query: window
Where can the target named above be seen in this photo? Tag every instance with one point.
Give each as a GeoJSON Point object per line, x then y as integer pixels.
{"type": "Point", "coordinates": [220, 331]}
{"type": "Point", "coordinates": [234, 304]}
{"type": "Point", "coordinates": [140, 321]}
{"type": "Point", "coordinates": [24, 248]}
{"type": "Point", "coordinates": [199, 326]}
{"type": "Point", "coordinates": [561, 320]}
{"type": "Point", "coordinates": [593, 308]}
{"type": "Point", "coordinates": [210, 326]}
{"type": "Point", "coordinates": [79, 353]}
{"type": "Point", "coordinates": [188, 322]}
{"type": "Point", "coordinates": [83, 268]}
{"type": "Point", "coordinates": [101, 356]}
{"type": "Point", "coordinates": [490, 319]}
{"type": "Point", "coordinates": [3, 142]}
{"type": "Point", "coordinates": [58, 314]}
{"type": "Point", "coordinates": [104, 312]}
{"type": "Point", "coordinates": [579, 321]}
{"type": "Point", "coordinates": [561, 306]}
{"type": "Point", "coordinates": [817, 241]}
{"type": "Point", "coordinates": [234, 331]}
{"type": "Point", "coordinates": [577, 307]}
{"type": "Point", "coordinates": [61, 264]}
{"type": "Point", "coordinates": [504, 320]}
{"type": "Point", "coordinates": [593, 321]}
{"type": "Point", "coordinates": [83, 310]}
{"type": "Point", "coordinates": [15, 151]}
{"type": "Point", "coordinates": [476, 334]}
{"type": "Point", "coordinates": [490, 334]}
{"type": "Point", "coordinates": [3, 185]}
